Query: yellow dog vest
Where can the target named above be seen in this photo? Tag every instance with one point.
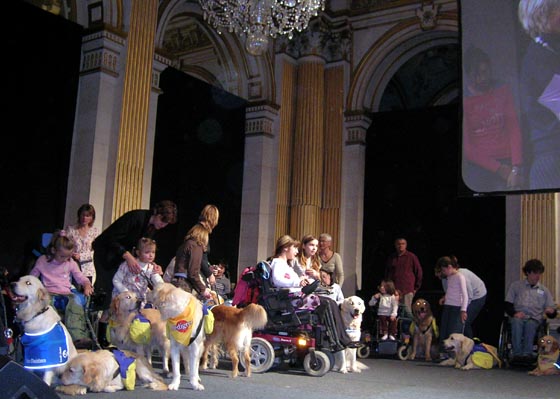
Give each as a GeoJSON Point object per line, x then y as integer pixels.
{"type": "Point", "coordinates": [180, 326]}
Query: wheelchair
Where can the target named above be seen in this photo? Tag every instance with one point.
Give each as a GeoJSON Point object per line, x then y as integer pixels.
{"type": "Point", "coordinates": [292, 336]}
{"type": "Point", "coordinates": [505, 345]}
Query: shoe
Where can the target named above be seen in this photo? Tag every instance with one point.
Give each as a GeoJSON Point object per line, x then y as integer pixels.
{"type": "Point", "coordinates": [392, 338]}
{"type": "Point", "coordinates": [384, 338]}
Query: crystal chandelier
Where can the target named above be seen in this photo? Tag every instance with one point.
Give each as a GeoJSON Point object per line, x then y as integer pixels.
{"type": "Point", "coordinates": [258, 19]}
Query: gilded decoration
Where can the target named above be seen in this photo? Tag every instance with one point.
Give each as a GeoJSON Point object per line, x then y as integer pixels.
{"type": "Point", "coordinates": [186, 37]}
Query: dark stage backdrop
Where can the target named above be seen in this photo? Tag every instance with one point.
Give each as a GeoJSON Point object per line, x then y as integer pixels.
{"type": "Point", "coordinates": [198, 160]}
{"type": "Point", "coordinates": [411, 184]}
{"type": "Point", "coordinates": [43, 53]}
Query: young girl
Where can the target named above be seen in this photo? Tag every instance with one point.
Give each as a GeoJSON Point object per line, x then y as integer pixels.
{"type": "Point", "coordinates": [388, 308]}
{"type": "Point", "coordinates": [139, 283]}
{"type": "Point", "coordinates": [454, 313]}
{"type": "Point", "coordinates": [283, 273]}
{"type": "Point", "coordinates": [56, 270]}
{"type": "Point", "coordinates": [307, 263]}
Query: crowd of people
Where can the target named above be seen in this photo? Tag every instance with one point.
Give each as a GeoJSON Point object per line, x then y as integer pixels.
{"type": "Point", "coordinates": [81, 259]}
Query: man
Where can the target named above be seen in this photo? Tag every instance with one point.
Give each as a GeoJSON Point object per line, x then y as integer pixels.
{"type": "Point", "coordinates": [404, 269]}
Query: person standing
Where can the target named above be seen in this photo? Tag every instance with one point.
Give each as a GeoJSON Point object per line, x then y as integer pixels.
{"type": "Point", "coordinates": [83, 233]}
{"type": "Point", "coordinates": [330, 260]}
{"type": "Point", "coordinates": [404, 269]}
{"type": "Point", "coordinates": [116, 244]}
{"type": "Point", "coordinates": [539, 68]}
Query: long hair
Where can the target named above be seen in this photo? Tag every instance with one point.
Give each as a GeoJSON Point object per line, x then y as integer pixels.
{"type": "Point", "coordinates": [209, 217]}
{"type": "Point", "coordinates": [285, 241]}
{"type": "Point", "coordinates": [200, 234]}
{"type": "Point", "coordinates": [315, 263]}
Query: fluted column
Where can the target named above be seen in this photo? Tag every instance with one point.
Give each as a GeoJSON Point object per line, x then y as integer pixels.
{"type": "Point", "coordinates": [540, 235]}
{"type": "Point", "coordinates": [332, 169]}
{"type": "Point", "coordinates": [307, 176]}
{"type": "Point", "coordinates": [285, 156]}
{"type": "Point", "coordinates": [129, 177]}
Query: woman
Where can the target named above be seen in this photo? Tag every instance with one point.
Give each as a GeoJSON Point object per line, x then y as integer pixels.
{"type": "Point", "coordinates": [83, 233]}
{"type": "Point", "coordinates": [307, 263]}
{"type": "Point", "coordinates": [283, 273]}
{"type": "Point", "coordinates": [330, 260]}
{"type": "Point", "coordinates": [190, 257]}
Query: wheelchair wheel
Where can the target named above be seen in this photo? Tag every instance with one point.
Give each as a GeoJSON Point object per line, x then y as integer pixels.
{"type": "Point", "coordinates": [403, 352]}
{"type": "Point", "coordinates": [363, 352]}
{"type": "Point", "coordinates": [504, 344]}
{"type": "Point", "coordinates": [262, 356]}
{"type": "Point", "coordinates": [330, 355]}
{"type": "Point", "coordinates": [319, 367]}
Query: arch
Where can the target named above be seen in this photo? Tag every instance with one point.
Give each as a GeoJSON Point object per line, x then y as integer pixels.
{"type": "Point", "coordinates": [388, 54]}
{"type": "Point", "coordinates": [236, 71]}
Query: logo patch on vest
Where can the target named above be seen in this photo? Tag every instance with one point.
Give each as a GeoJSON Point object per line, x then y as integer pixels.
{"type": "Point", "coordinates": [45, 350]}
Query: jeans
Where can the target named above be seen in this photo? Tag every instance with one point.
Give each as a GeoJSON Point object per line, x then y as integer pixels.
{"type": "Point", "coordinates": [472, 312]}
{"type": "Point", "coordinates": [523, 333]}
{"type": "Point", "coordinates": [450, 322]}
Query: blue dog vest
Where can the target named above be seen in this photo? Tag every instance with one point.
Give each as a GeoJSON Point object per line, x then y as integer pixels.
{"type": "Point", "coordinates": [45, 350]}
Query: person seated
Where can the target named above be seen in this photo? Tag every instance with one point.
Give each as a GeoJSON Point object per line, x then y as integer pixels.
{"type": "Point", "coordinates": [284, 276]}
{"type": "Point", "coordinates": [328, 288]}
{"type": "Point", "coordinates": [56, 270]}
{"type": "Point", "coordinates": [222, 284]}
{"type": "Point", "coordinates": [387, 310]}
{"type": "Point", "coordinates": [527, 303]}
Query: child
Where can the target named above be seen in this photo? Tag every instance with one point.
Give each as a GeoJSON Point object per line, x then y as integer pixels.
{"type": "Point", "coordinates": [388, 308]}
{"type": "Point", "coordinates": [329, 288]}
{"type": "Point", "coordinates": [56, 270]}
{"type": "Point", "coordinates": [139, 283]}
{"type": "Point", "coordinates": [222, 284]}
{"type": "Point", "coordinates": [454, 314]}
{"type": "Point", "coordinates": [527, 302]}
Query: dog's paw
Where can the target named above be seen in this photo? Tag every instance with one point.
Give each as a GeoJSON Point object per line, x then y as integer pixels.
{"type": "Point", "coordinates": [447, 362]}
{"type": "Point", "coordinates": [174, 385]}
{"type": "Point", "coordinates": [343, 371]}
{"type": "Point", "coordinates": [198, 387]}
{"type": "Point", "coordinates": [71, 389]}
{"type": "Point", "coordinates": [355, 370]}
{"type": "Point", "coordinates": [412, 356]}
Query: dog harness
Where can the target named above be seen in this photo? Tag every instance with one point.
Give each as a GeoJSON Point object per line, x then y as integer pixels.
{"type": "Point", "coordinates": [45, 350]}
{"type": "Point", "coordinates": [484, 356]}
{"type": "Point", "coordinates": [127, 369]}
{"type": "Point", "coordinates": [180, 326]}
{"type": "Point", "coordinates": [432, 326]}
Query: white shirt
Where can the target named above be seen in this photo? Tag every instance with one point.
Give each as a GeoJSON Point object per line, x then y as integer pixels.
{"type": "Point", "coordinates": [283, 275]}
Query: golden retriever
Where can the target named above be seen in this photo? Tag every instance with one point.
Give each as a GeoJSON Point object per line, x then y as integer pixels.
{"type": "Point", "coordinates": [352, 309]}
{"type": "Point", "coordinates": [123, 310]}
{"type": "Point", "coordinates": [99, 372]}
{"type": "Point", "coordinates": [234, 328]}
{"type": "Point", "coordinates": [423, 329]}
{"type": "Point", "coordinates": [549, 353]}
{"type": "Point", "coordinates": [183, 313]}
{"type": "Point", "coordinates": [33, 311]}
{"type": "Point", "coordinates": [462, 347]}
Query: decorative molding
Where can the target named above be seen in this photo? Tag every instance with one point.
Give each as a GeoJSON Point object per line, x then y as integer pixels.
{"type": "Point", "coordinates": [259, 119]}
{"type": "Point", "coordinates": [357, 125]}
{"type": "Point", "coordinates": [428, 15]}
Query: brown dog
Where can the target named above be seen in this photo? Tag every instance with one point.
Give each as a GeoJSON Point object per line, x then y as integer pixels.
{"type": "Point", "coordinates": [424, 330]}
{"type": "Point", "coordinates": [234, 328]}
{"type": "Point", "coordinates": [549, 352]}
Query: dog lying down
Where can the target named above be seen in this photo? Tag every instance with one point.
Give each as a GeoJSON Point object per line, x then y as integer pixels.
{"type": "Point", "coordinates": [548, 362]}
{"type": "Point", "coordinates": [100, 371]}
{"type": "Point", "coordinates": [469, 356]}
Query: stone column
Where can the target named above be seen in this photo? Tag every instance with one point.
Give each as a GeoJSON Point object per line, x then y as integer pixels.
{"type": "Point", "coordinates": [129, 177]}
{"type": "Point", "coordinates": [307, 160]}
{"type": "Point", "coordinates": [96, 126]}
{"type": "Point", "coordinates": [258, 208]}
{"type": "Point", "coordinates": [352, 214]}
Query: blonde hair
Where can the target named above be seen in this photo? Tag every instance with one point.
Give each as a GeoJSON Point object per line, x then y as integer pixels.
{"type": "Point", "coordinates": [144, 243]}
{"type": "Point", "coordinates": [200, 234]}
{"type": "Point", "coordinates": [209, 217]}
{"type": "Point", "coordinates": [534, 15]}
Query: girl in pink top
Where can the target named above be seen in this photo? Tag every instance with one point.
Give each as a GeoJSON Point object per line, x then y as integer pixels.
{"type": "Point", "coordinates": [454, 312]}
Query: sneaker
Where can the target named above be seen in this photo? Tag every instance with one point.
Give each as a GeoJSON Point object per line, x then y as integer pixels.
{"type": "Point", "coordinates": [384, 338]}
{"type": "Point", "coordinates": [392, 338]}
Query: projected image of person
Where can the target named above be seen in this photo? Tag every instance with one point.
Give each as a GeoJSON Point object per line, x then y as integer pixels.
{"type": "Point", "coordinates": [540, 89]}
{"type": "Point", "coordinates": [491, 131]}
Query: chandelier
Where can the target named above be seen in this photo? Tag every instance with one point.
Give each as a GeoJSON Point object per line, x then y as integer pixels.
{"type": "Point", "coordinates": [257, 20]}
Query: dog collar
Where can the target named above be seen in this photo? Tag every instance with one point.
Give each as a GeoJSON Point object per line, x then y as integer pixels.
{"type": "Point", "coordinates": [40, 312]}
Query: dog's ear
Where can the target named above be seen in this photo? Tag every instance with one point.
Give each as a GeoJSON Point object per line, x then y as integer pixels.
{"type": "Point", "coordinates": [43, 296]}
{"type": "Point", "coordinates": [114, 307]}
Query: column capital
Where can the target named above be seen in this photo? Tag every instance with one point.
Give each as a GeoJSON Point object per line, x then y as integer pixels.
{"type": "Point", "coordinates": [101, 52]}
{"type": "Point", "coordinates": [356, 126]}
{"type": "Point", "coordinates": [260, 118]}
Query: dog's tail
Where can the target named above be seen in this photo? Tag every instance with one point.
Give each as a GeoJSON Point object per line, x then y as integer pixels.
{"type": "Point", "coordinates": [255, 316]}
{"type": "Point", "coordinates": [147, 374]}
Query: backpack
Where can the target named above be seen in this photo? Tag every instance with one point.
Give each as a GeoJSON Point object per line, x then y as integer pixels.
{"type": "Point", "coordinates": [248, 287]}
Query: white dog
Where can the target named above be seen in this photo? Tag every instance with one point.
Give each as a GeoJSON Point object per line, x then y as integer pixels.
{"type": "Point", "coordinates": [352, 309]}
{"type": "Point", "coordinates": [183, 313]}
{"type": "Point", "coordinates": [463, 347]}
{"type": "Point", "coordinates": [48, 345]}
